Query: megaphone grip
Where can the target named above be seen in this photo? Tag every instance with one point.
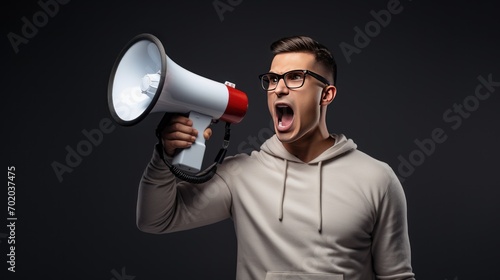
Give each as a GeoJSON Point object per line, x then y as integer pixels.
{"type": "Point", "coordinates": [195, 179]}
{"type": "Point", "coordinates": [191, 159]}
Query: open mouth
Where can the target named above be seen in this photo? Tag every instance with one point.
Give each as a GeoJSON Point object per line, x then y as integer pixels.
{"type": "Point", "coordinates": [284, 116]}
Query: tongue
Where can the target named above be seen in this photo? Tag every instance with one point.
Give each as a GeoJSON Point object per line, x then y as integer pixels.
{"type": "Point", "coordinates": [286, 119]}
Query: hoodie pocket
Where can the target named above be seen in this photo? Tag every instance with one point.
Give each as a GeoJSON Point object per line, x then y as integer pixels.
{"type": "Point", "coordinates": [290, 275]}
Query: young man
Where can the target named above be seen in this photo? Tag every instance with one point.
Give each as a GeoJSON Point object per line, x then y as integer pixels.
{"type": "Point", "coordinates": [308, 205]}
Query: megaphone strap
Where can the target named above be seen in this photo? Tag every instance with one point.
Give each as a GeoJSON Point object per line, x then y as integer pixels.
{"type": "Point", "coordinates": [222, 152]}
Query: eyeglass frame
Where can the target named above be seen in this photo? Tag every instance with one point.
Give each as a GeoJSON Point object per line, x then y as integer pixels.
{"type": "Point", "coordinates": [282, 77]}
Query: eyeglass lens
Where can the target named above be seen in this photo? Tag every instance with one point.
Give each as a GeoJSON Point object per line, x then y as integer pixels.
{"type": "Point", "coordinates": [292, 79]}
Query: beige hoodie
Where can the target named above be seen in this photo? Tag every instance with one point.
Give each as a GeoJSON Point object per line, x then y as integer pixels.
{"type": "Point", "coordinates": [341, 216]}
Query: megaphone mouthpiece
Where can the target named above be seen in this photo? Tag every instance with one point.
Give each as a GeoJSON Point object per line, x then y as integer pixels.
{"type": "Point", "coordinates": [236, 106]}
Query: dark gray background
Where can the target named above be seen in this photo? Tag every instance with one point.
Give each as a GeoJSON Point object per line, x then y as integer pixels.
{"type": "Point", "coordinates": [393, 92]}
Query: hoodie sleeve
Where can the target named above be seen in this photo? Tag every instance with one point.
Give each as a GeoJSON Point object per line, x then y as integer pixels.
{"type": "Point", "coordinates": [391, 245]}
{"type": "Point", "coordinates": [165, 204]}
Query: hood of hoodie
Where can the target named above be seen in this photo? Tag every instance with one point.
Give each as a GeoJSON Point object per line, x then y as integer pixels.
{"type": "Point", "coordinates": [342, 145]}
{"type": "Point", "coordinates": [274, 147]}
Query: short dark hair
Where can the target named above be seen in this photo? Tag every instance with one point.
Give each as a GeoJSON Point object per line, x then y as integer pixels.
{"type": "Point", "coordinates": [309, 45]}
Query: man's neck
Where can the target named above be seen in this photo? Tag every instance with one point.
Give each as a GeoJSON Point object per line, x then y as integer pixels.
{"type": "Point", "coordinates": [309, 147]}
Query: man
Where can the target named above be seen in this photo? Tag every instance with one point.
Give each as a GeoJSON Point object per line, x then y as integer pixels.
{"type": "Point", "coordinates": [308, 205]}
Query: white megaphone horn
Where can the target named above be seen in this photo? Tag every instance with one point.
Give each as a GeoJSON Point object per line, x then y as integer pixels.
{"type": "Point", "coordinates": [145, 80]}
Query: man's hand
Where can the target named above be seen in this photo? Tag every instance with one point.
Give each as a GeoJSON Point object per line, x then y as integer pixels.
{"type": "Point", "coordinates": [179, 134]}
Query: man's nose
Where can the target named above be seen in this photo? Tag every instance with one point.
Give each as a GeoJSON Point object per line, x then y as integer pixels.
{"type": "Point", "coordinates": [281, 88]}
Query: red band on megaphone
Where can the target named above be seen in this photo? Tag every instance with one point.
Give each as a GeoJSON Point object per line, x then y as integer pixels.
{"type": "Point", "coordinates": [237, 106]}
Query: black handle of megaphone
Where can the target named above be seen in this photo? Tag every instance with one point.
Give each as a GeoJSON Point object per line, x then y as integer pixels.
{"type": "Point", "coordinates": [204, 175]}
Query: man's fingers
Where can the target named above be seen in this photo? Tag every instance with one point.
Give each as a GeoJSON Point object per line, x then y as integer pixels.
{"type": "Point", "coordinates": [207, 133]}
{"type": "Point", "coordinates": [178, 127]}
{"type": "Point", "coordinates": [179, 134]}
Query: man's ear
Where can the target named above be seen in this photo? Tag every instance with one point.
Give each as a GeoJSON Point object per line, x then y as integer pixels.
{"type": "Point", "coordinates": [328, 94]}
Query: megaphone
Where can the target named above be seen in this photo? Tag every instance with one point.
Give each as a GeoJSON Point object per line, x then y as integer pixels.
{"type": "Point", "coordinates": [145, 80]}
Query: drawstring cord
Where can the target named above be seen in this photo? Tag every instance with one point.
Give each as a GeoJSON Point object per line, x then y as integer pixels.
{"type": "Point", "coordinates": [283, 191]}
{"type": "Point", "coordinates": [320, 228]}
{"type": "Point", "coordinates": [320, 195]}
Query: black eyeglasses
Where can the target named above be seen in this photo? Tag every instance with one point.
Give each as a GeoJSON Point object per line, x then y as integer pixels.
{"type": "Point", "coordinates": [293, 79]}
